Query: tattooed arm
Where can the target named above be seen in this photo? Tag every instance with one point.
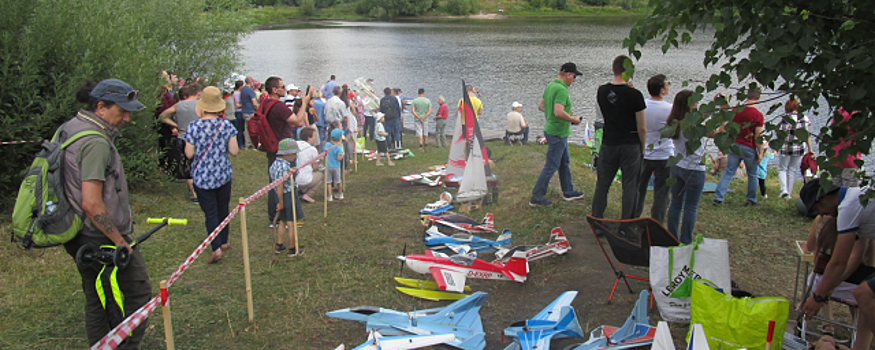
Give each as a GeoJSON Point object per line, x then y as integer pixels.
{"type": "Point", "coordinates": [95, 210]}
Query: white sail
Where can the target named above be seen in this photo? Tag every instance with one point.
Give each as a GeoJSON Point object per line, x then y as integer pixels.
{"type": "Point", "coordinates": [456, 162]}
{"type": "Point", "coordinates": [473, 184]}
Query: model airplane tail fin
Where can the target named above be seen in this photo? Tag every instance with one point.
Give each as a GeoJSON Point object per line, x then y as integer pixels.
{"type": "Point", "coordinates": [638, 316]}
{"type": "Point", "coordinates": [504, 240]}
{"type": "Point", "coordinates": [488, 221]}
{"type": "Point", "coordinates": [557, 235]}
{"type": "Point", "coordinates": [517, 268]}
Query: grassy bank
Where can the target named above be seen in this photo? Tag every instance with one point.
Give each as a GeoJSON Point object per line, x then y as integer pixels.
{"type": "Point", "coordinates": [350, 260]}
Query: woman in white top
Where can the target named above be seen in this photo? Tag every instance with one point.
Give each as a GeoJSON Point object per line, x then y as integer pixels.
{"type": "Point", "coordinates": [689, 173]}
{"type": "Point", "coordinates": [791, 153]}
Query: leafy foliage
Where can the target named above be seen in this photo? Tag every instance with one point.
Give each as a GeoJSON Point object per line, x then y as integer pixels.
{"type": "Point", "coordinates": [461, 7]}
{"type": "Point", "coordinates": [388, 9]}
{"type": "Point", "coordinates": [815, 51]}
{"type": "Point", "coordinates": [50, 47]}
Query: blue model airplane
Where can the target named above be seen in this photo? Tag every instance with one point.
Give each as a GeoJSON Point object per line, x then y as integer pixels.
{"type": "Point", "coordinates": [464, 243]}
{"type": "Point", "coordinates": [461, 319]}
{"type": "Point", "coordinates": [557, 320]}
{"type": "Point", "coordinates": [636, 332]}
{"type": "Point", "coordinates": [377, 341]}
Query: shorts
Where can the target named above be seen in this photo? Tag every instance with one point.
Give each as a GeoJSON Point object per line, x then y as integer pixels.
{"type": "Point", "coordinates": [382, 147]}
{"type": "Point", "coordinates": [286, 213]}
{"type": "Point", "coordinates": [333, 175]}
{"type": "Point", "coordinates": [421, 127]}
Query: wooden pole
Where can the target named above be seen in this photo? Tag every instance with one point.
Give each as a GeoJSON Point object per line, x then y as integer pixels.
{"type": "Point", "coordinates": [247, 274]}
{"type": "Point", "coordinates": [168, 324]}
{"type": "Point", "coordinates": [325, 182]}
{"type": "Point", "coordinates": [294, 213]}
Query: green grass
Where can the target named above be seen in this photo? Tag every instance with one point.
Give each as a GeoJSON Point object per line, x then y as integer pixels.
{"type": "Point", "coordinates": [350, 259]}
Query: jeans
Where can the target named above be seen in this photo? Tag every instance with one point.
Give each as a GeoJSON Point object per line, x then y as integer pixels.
{"type": "Point", "coordinates": [393, 128]}
{"type": "Point", "coordinates": [214, 203]}
{"type": "Point", "coordinates": [557, 159]}
{"type": "Point", "coordinates": [323, 137]}
{"type": "Point", "coordinates": [440, 132]}
{"type": "Point", "coordinates": [370, 123]}
{"type": "Point", "coordinates": [749, 157]}
{"type": "Point", "coordinates": [240, 124]}
{"type": "Point", "coordinates": [627, 158]}
{"type": "Point", "coordinates": [271, 196]}
{"type": "Point", "coordinates": [660, 189]}
{"type": "Point", "coordinates": [685, 195]}
{"type": "Point", "coordinates": [788, 167]}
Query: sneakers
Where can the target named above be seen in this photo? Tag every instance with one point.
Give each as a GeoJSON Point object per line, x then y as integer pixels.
{"type": "Point", "coordinates": [765, 196]}
{"type": "Point", "coordinates": [750, 203]}
{"type": "Point", "coordinates": [785, 195]}
{"type": "Point", "coordinates": [572, 196]}
{"type": "Point", "coordinates": [540, 203]}
{"type": "Point", "coordinates": [379, 164]}
{"type": "Point", "coordinates": [293, 253]}
{"type": "Point", "coordinates": [271, 225]}
{"type": "Point", "coordinates": [280, 248]}
{"type": "Point", "coordinates": [717, 202]}
{"type": "Point", "coordinates": [330, 198]}
{"type": "Point", "coordinates": [391, 164]}
{"type": "Point", "coordinates": [338, 196]}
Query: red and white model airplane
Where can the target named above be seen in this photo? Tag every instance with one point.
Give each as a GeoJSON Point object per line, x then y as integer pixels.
{"type": "Point", "coordinates": [450, 273]}
{"type": "Point", "coordinates": [460, 222]}
{"type": "Point", "coordinates": [557, 245]}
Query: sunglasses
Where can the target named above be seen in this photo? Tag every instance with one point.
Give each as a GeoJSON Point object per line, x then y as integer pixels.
{"type": "Point", "coordinates": [130, 96]}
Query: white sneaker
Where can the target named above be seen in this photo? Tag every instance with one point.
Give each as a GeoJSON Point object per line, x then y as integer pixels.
{"type": "Point", "coordinates": [330, 198]}
{"type": "Point", "coordinates": [339, 196]}
{"type": "Point", "coordinates": [765, 196]}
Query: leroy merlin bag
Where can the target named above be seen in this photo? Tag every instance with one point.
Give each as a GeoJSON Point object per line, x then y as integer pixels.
{"type": "Point", "coordinates": [732, 323]}
{"type": "Point", "coordinates": [673, 269]}
{"type": "Point", "coordinates": [42, 216]}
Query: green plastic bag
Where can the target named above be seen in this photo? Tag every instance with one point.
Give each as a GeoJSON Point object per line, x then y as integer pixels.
{"type": "Point", "coordinates": [733, 323]}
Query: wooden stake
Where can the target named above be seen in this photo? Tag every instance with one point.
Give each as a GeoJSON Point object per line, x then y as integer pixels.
{"type": "Point", "coordinates": [247, 274]}
{"type": "Point", "coordinates": [168, 324]}
{"type": "Point", "coordinates": [294, 213]}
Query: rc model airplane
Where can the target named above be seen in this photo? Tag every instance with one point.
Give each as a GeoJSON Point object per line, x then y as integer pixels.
{"type": "Point", "coordinates": [450, 273]}
{"type": "Point", "coordinates": [557, 245]}
{"type": "Point", "coordinates": [557, 320]}
{"type": "Point", "coordinates": [460, 319]}
{"type": "Point", "coordinates": [460, 222]}
{"type": "Point", "coordinates": [464, 243]}
{"type": "Point", "coordinates": [440, 206]}
{"type": "Point", "coordinates": [636, 332]}
{"type": "Point", "coordinates": [377, 341]}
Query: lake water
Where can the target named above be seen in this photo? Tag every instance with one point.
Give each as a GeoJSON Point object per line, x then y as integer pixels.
{"type": "Point", "coordinates": [507, 60]}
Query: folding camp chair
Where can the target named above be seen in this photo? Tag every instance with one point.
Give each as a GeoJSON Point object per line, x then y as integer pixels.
{"type": "Point", "coordinates": [630, 242]}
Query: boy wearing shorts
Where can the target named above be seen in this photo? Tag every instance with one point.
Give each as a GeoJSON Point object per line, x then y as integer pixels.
{"type": "Point", "coordinates": [382, 146]}
{"type": "Point", "coordinates": [334, 159]}
{"type": "Point", "coordinates": [287, 151]}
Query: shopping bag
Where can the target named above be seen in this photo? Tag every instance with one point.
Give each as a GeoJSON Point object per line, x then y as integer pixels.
{"type": "Point", "coordinates": [360, 142]}
{"type": "Point", "coordinates": [673, 269]}
{"type": "Point", "coordinates": [734, 323]}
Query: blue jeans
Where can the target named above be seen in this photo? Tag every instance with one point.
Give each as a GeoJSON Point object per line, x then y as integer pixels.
{"type": "Point", "coordinates": [272, 198]}
{"type": "Point", "coordinates": [240, 125]}
{"type": "Point", "coordinates": [393, 128]}
{"type": "Point", "coordinates": [749, 157]}
{"type": "Point", "coordinates": [557, 159]}
{"type": "Point", "coordinates": [685, 195]}
{"type": "Point", "coordinates": [370, 124]}
{"type": "Point", "coordinates": [214, 203]}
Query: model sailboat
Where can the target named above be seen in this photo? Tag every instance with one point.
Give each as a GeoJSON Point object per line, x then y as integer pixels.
{"type": "Point", "coordinates": [468, 163]}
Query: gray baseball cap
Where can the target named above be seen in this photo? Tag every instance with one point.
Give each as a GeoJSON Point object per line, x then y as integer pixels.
{"type": "Point", "coordinates": [119, 92]}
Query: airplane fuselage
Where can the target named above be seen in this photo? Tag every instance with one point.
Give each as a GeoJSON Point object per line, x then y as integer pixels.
{"type": "Point", "coordinates": [479, 269]}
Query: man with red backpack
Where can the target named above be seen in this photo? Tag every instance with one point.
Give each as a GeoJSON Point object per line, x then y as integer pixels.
{"type": "Point", "coordinates": [280, 121]}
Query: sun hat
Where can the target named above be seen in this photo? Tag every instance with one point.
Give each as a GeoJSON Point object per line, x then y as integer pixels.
{"type": "Point", "coordinates": [211, 100]}
{"type": "Point", "coordinates": [118, 92]}
{"type": "Point", "coordinates": [286, 147]}
{"type": "Point", "coordinates": [516, 104]}
{"type": "Point", "coordinates": [812, 192]}
{"type": "Point", "coordinates": [336, 134]}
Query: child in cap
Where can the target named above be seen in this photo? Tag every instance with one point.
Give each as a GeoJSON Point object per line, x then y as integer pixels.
{"type": "Point", "coordinates": [382, 147]}
{"type": "Point", "coordinates": [287, 151]}
{"type": "Point", "coordinates": [334, 158]}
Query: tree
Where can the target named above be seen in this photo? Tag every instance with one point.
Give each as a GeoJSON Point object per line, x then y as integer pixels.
{"type": "Point", "coordinates": [816, 51]}
{"type": "Point", "coordinates": [388, 9]}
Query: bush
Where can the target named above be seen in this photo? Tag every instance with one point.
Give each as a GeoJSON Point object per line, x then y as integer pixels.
{"type": "Point", "coordinates": [308, 7]}
{"type": "Point", "coordinates": [461, 7]}
{"type": "Point", "coordinates": [594, 2]}
{"type": "Point", "coordinates": [50, 47]}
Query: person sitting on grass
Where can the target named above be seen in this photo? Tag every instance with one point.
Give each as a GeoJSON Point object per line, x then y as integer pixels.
{"type": "Point", "coordinates": [287, 151]}
{"type": "Point", "coordinates": [382, 147]}
{"type": "Point", "coordinates": [334, 159]}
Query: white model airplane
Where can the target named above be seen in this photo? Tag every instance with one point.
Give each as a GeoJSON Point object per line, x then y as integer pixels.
{"type": "Point", "coordinates": [557, 245]}
{"type": "Point", "coordinates": [377, 341]}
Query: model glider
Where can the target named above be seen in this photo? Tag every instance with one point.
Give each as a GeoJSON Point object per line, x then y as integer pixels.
{"type": "Point", "coordinates": [460, 319]}
{"type": "Point", "coordinates": [636, 332]}
{"type": "Point", "coordinates": [430, 179]}
{"type": "Point", "coordinates": [460, 222]}
{"type": "Point", "coordinates": [557, 320]}
{"type": "Point", "coordinates": [451, 272]}
{"type": "Point", "coordinates": [464, 243]}
{"type": "Point", "coordinates": [427, 290]}
{"type": "Point", "coordinates": [557, 245]}
{"type": "Point", "coordinates": [393, 153]}
{"type": "Point", "coordinates": [440, 206]}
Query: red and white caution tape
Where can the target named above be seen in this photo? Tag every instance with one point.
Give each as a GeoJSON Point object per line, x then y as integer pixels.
{"type": "Point", "coordinates": [19, 142]}
{"type": "Point", "coordinates": [118, 334]}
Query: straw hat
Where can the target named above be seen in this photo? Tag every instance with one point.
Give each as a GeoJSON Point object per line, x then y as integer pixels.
{"type": "Point", "coordinates": [211, 100]}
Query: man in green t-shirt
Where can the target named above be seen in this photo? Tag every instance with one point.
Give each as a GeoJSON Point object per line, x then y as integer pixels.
{"type": "Point", "coordinates": [421, 111]}
{"type": "Point", "coordinates": [556, 105]}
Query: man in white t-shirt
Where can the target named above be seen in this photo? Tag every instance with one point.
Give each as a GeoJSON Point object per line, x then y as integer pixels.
{"type": "Point", "coordinates": [853, 220]}
{"type": "Point", "coordinates": [516, 125]}
{"type": "Point", "coordinates": [657, 149]}
{"type": "Point", "coordinates": [308, 181]}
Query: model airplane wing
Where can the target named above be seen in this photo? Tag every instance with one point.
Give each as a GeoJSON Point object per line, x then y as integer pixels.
{"type": "Point", "coordinates": [448, 280]}
{"type": "Point", "coordinates": [376, 341]}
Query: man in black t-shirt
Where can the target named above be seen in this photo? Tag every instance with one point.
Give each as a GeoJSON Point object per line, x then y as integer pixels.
{"type": "Point", "coordinates": [623, 140]}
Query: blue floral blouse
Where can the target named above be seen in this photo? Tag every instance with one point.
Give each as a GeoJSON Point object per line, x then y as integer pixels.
{"type": "Point", "coordinates": [210, 166]}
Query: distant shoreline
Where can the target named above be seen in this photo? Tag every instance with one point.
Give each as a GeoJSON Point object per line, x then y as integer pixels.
{"type": "Point", "coordinates": [302, 23]}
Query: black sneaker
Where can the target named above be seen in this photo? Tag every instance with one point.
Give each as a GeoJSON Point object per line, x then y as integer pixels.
{"type": "Point", "coordinates": [572, 196]}
{"type": "Point", "coordinates": [280, 248]}
{"type": "Point", "coordinates": [717, 202]}
{"type": "Point", "coordinates": [293, 253]}
{"type": "Point", "coordinates": [540, 203]}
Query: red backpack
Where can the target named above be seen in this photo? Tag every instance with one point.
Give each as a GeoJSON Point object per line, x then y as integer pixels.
{"type": "Point", "coordinates": [260, 132]}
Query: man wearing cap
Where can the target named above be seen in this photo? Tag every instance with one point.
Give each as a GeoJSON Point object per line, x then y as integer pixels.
{"type": "Point", "coordinates": [556, 105]}
{"type": "Point", "coordinates": [94, 180]}
{"type": "Point", "coordinates": [516, 125]}
{"type": "Point", "coordinates": [853, 220]}
{"type": "Point", "coordinates": [292, 95]}
{"type": "Point", "coordinates": [623, 139]}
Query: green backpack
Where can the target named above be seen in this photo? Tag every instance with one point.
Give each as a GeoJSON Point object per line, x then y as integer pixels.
{"type": "Point", "coordinates": [42, 216]}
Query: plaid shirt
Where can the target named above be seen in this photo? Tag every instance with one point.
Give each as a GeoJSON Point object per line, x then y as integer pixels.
{"type": "Point", "coordinates": [792, 146]}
